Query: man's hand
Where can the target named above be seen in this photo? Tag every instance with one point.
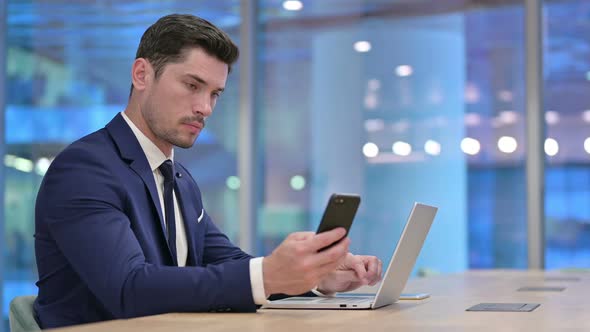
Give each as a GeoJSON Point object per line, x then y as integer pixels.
{"type": "Point", "coordinates": [354, 272]}
{"type": "Point", "coordinates": [296, 266]}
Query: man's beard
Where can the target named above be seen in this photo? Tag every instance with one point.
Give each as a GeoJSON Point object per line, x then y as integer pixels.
{"type": "Point", "coordinates": [171, 135]}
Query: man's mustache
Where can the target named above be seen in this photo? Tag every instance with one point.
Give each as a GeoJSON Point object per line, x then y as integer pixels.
{"type": "Point", "coordinates": [192, 119]}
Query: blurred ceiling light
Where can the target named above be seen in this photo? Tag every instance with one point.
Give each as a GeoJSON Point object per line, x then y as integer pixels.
{"type": "Point", "coordinates": [42, 165]}
{"type": "Point", "coordinates": [404, 71]}
{"type": "Point", "coordinates": [400, 126]}
{"type": "Point", "coordinates": [373, 84]}
{"type": "Point", "coordinates": [23, 165]}
{"type": "Point", "coordinates": [587, 145]}
{"type": "Point", "coordinates": [9, 160]}
{"type": "Point", "coordinates": [551, 147]}
{"type": "Point", "coordinates": [292, 5]}
{"type": "Point", "coordinates": [432, 147]}
{"type": "Point", "coordinates": [470, 146]}
{"type": "Point", "coordinates": [507, 144]}
{"type": "Point", "coordinates": [586, 116]}
{"type": "Point", "coordinates": [401, 148]}
{"type": "Point", "coordinates": [508, 117]}
{"type": "Point", "coordinates": [472, 119]}
{"type": "Point", "coordinates": [505, 95]}
{"type": "Point", "coordinates": [551, 117]}
{"type": "Point", "coordinates": [233, 182]}
{"type": "Point", "coordinates": [372, 125]}
{"type": "Point", "coordinates": [362, 46]}
{"type": "Point", "coordinates": [471, 93]}
{"type": "Point", "coordinates": [371, 101]}
{"type": "Point", "coordinates": [370, 150]}
{"type": "Point", "coordinates": [297, 182]}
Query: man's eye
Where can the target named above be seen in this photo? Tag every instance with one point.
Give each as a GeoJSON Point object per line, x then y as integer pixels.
{"type": "Point", "coordinates": [191, 86]}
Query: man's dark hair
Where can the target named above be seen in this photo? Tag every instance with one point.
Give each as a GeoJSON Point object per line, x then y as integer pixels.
{"type": "Point", "coordinates": [167, 40]}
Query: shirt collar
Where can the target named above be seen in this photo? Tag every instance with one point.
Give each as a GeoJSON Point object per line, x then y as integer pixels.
{"type": "Point", "coordinates": [154, 155]}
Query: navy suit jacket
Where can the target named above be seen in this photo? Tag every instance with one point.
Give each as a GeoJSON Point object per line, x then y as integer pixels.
{"type": "Point", "coordinates": [100, 242]}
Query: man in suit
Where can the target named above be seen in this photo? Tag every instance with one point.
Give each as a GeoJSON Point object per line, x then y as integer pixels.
{"type": "Point", "coordinates": [120, 228]}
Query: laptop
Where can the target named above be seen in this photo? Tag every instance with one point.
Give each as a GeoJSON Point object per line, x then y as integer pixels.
{"type": "Point", "coordinates": [395, 278]}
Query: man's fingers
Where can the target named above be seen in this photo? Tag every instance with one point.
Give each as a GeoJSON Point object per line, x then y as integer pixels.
{"type": "Point", "coordinates": [378, 273]}
{"type": "Point", "coordinates": [301, 236]}
{"type": "Point", "coordinates": [357, 264]}
{"type": "Point", "coordinates": [328, 268]}
{"type": "Point", "coordinates": [333, 257]}
{"type": "Point", "coordinates": [325, 239]}
{"type": "Point", "coordinates": [373, 269]}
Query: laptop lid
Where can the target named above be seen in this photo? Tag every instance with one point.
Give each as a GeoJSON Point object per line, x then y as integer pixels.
{"type": "Point", "coordinates": [405, 254]}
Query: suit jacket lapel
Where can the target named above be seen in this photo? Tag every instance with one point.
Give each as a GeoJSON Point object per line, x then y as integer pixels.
{"type": "Point", "coordinates": [131, 151]}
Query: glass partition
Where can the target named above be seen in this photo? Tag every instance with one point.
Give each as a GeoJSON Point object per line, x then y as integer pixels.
{"type": "Point", "coordinates": [567, 145]}
{"type": "Point", "coordinates": [399, 102]}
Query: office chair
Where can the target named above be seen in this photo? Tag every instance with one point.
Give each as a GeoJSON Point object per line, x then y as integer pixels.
{"type": "Point", "coordinates": [22, 316]}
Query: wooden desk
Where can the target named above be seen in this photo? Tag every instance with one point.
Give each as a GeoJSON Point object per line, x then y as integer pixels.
{"type": "Point", "coordinates": [443, 311]}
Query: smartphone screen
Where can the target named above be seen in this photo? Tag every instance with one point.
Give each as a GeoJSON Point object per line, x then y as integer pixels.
{"type": "Point", "coordinates": [339, 212]}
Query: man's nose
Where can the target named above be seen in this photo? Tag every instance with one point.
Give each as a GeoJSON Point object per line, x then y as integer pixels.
{"type": "Point", "coordinates": [203, 106]}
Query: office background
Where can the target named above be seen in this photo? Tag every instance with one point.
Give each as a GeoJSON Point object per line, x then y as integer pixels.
{"type": "Point", "coordinates": [397, 100]}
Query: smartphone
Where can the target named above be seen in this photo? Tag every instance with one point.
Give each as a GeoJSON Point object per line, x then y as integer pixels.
{"type": "Point", "coordinates": [339, 212]}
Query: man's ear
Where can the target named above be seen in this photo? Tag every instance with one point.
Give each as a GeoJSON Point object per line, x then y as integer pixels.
{"type": "Point", "coordinates": [141, 74]}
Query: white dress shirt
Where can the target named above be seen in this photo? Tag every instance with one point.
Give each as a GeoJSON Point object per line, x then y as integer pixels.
{"type": "Point", "coordinates": [155, 158]}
